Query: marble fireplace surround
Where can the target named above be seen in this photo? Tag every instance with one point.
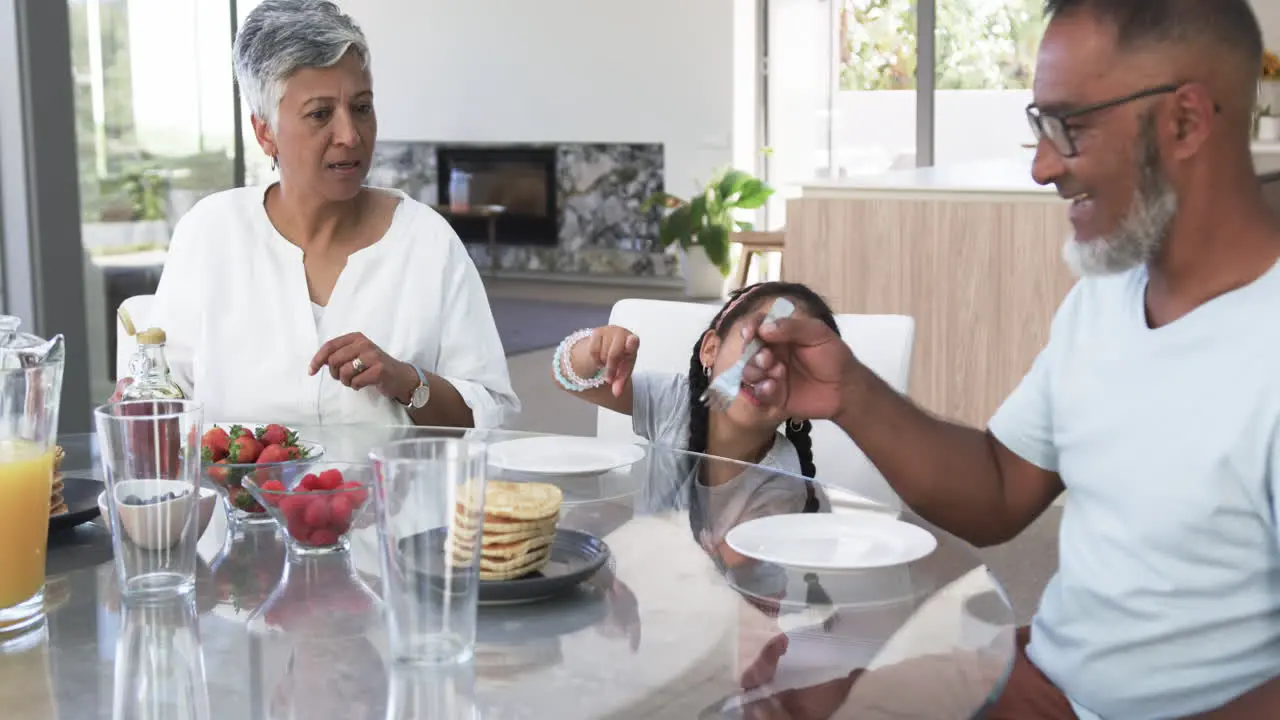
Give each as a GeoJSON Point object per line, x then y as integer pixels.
{"type": "Point", "coordinates": [599, 190]}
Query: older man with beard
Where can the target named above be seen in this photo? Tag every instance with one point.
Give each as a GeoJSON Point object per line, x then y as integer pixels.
{"type": "Point", "coordinates": [1156, 401]}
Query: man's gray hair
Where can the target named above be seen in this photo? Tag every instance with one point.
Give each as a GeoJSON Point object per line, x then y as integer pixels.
{"type": "Point", "coordinates": [280, 37]}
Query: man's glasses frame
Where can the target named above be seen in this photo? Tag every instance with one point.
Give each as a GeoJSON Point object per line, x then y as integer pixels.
{"type": "Point", "coordinates": [1053, 125]}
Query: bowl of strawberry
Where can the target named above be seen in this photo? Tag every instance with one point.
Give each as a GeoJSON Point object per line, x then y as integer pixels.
{"type": "Point", "coordinates": [316, 506]}
{"type": "Point", "coordinates": [266, 452]}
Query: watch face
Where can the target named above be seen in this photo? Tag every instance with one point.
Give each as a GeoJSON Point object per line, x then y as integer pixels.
{"type": "Point", "coordinates": [420, 396]}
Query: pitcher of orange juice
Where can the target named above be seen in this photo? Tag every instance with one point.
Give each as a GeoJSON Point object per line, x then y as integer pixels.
{"type": "Point", "coordinates": [30, 390]}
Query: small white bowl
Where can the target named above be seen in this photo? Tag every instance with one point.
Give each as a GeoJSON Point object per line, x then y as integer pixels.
{"type": "Point", "coordinates": [157, 526]}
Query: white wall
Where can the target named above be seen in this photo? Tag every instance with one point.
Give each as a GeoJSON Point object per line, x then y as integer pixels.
{"type": "Point", "coordinates": [1268, 12]}
{"type": "Point", "coordinates": [558, 70]}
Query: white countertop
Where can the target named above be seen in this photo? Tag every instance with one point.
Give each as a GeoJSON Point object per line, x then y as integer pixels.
{"type": "Point", "coordinates": [1005, 176]}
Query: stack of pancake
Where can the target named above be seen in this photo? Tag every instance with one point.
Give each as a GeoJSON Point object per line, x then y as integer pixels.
{"type": "Point", "coordinates": [519, 526]}
{"type": "Point", "coordinates": [57, 505]}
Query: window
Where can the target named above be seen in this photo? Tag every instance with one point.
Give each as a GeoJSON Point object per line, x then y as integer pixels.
{"type": "Point", "coordinates": [153, 104]}
{"type": "Point", "coordinates": [845, 96]}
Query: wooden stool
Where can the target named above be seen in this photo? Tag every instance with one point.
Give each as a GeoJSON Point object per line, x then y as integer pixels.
{"type": "Point", "coordinates": [755, 242]}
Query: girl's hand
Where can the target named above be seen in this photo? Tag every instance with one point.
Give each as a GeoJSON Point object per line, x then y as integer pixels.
{"type": "Point", "coordinates": [612, 348]}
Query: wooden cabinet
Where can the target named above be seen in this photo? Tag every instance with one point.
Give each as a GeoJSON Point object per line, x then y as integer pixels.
{"type": "Point", "coordinates": [982, 276]}
{"type": "Point", "coordinates": [972, 252]}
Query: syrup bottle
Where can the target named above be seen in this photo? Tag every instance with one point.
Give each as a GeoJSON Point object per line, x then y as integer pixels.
{"type": "Point", "coordinates": [160, 444]}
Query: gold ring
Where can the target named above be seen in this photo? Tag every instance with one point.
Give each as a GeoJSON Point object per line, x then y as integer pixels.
{"type": "Point", "coordinates": [357, 365]}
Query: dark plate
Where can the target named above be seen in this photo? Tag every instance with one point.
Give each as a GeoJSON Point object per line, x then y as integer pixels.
{"type": "Point", "coordinates": [81, 497]}
{"type": "Point", "coordinates": [575, 557]}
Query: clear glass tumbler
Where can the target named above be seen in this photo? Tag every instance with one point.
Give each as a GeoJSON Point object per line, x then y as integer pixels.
{"type": "Point", "coordinates": [150, 454]}
{"type": "Point", "coordinates": [426, 491]}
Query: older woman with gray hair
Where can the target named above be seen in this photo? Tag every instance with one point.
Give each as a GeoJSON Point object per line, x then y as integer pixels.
{"type": "Point", "coordinates": [316, 299]}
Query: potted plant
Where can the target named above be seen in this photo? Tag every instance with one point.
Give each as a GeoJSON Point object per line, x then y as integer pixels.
{"type": "Point", "coordinates": [703, 224]}
{"type": "Point", "coordinates": [1268, 128]}
{"type": "Point", "coordinates": [132, 216]}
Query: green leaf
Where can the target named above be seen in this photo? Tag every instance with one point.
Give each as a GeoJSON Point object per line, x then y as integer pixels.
{"type": "Point", "coordinates": [733, 183]}
{"type": "Point", "coordinates": [744, 225]}
{"type": "Point", "coordinates": [754, 194]}
{"type": "Point", "coordinates": [698, 212]}
{"type": "Point", "coordinates": [715, 240]}
{"type": "Point", "coordinates": [675, 227]}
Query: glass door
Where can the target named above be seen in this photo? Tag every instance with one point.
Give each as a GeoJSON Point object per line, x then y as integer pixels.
{"type": "Point", "coordinates": [155, 132]}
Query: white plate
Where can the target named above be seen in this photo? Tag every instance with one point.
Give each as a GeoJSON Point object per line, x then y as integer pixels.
{"type": "Point", "coordinates": [825, 541]}
{"type": "Point", "coordinates": [563, 455]}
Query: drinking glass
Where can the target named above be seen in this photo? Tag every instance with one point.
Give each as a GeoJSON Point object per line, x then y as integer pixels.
{"type": "Point", "coordinates": [441, 693]}
{"type": "Point", "coordinates": [425, 492]}
{"type": "Point", "coordinates": [160, 673]}
{"type": "Point", "coordinates": [150, 451]}
{"type": "Point", "coordinates": [30, 391]}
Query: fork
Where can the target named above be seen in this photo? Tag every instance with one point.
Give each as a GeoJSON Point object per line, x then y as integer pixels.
{"type": "Point", "coordinates": [724, 389]}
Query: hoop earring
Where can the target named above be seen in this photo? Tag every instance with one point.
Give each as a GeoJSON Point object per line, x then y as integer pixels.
{"type": "Point", "coordinates": [706, 370]}
{"type": "Point", "coordinates": [796, 425]}
{"type": "Point", "coordinates": [275, 162]}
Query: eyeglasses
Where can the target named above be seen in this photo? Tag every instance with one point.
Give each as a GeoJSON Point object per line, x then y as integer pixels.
{"type": "Point", "coordinates": [1052, 126]}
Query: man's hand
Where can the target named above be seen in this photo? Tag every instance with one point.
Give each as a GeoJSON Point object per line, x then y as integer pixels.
{"type": "Point", "coordinates": [803, 367]}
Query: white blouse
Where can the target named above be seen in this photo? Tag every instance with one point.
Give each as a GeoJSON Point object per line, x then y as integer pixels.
{"type": "Point", "coordinates": [242, 330]}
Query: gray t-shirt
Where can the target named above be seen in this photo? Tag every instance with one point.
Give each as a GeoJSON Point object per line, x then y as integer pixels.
{"type": "Point", "coordinates": [660, 414]}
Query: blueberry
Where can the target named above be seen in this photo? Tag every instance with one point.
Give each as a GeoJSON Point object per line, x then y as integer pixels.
{"type": "Point", "coordinates": [132, 500]}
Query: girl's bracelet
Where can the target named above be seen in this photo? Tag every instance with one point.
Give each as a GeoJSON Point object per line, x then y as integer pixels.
{"type": "Point", "coordinates": [562, 365]}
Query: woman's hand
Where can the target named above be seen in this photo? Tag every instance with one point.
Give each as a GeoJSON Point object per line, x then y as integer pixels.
{"type": "Point", "coordinates": [355, 361]}
{"type": "Point", "coordinates": [611, 348]}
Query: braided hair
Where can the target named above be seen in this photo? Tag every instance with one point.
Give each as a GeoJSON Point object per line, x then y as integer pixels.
{"type": "Point", "coordinates": [741, 302]}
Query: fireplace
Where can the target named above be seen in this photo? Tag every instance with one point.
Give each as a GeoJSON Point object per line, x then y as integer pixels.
{"type": "Point", "coordinates": [520, 179]}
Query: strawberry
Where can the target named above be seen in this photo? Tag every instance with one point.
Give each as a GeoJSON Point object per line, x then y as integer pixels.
{"type": "Point", "coordinates": [218, 474]}
{"type": "Point", "coordinates": [294, 452]}
{"type": "Point", "coordinates": [340, 511]}
{"type": "Point", "coordinates": [215, 442]}
{"type": "Point", "coordinates": [236, 431]}
{"type": "Point", "coordinates": [318, 512]}
{"type": "Point", "coordinates": [270, 488]}
{"type": "Point", "coordinates": [298, 529]}
{"type": "Point", "coordinates": [309, 482]}
{"type": "Point", "coordinates": [244, 449]}
{"type": "Point", "coordinates": [273, 454]}
{"type": "Point", "coordinates": [274, 435]}
{"type": "Point", "coordinates": [294, 508]}
{"type": "Point", "coordinates": [323, 537]}
{"type": "Point", "coordinates": [356, 492]}
{"type": "Point", "coordinates": [243, 500]}
{"type": "Point", "coordinates": [330, 479]}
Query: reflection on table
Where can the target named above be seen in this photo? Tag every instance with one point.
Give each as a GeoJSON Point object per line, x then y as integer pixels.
{"type": "Point", "coordinates": [667, 629]}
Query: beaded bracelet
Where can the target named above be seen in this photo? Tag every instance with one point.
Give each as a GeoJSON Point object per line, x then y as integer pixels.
{"type": "Point", "coordinates": [562, 365]}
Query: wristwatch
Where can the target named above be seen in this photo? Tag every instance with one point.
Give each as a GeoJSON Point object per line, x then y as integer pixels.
{"type": "Point", "coordinates": [422, 393]}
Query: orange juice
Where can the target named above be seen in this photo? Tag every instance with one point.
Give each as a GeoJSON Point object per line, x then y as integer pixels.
{"type": "Point", "coordinates": [26, 479]}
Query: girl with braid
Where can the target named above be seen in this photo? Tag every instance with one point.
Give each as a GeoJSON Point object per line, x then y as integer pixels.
{"type": "Point", "coordinates": [665, 410]}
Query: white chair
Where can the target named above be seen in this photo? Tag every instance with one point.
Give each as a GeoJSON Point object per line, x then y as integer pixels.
{"type": "Point", "coordinates": [668, 330]}
{"type": "Point", "coordinates": [139, 309]}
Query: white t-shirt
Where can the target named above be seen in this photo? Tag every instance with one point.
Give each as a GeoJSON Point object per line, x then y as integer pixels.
{"type": "Point", "coordinates": [242, 330]}
{"type": "Point", "coordinates": [1167, 597]}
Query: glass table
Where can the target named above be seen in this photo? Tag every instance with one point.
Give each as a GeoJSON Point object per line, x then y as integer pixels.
{"type": "Point", "coordinates": [671, 628]}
